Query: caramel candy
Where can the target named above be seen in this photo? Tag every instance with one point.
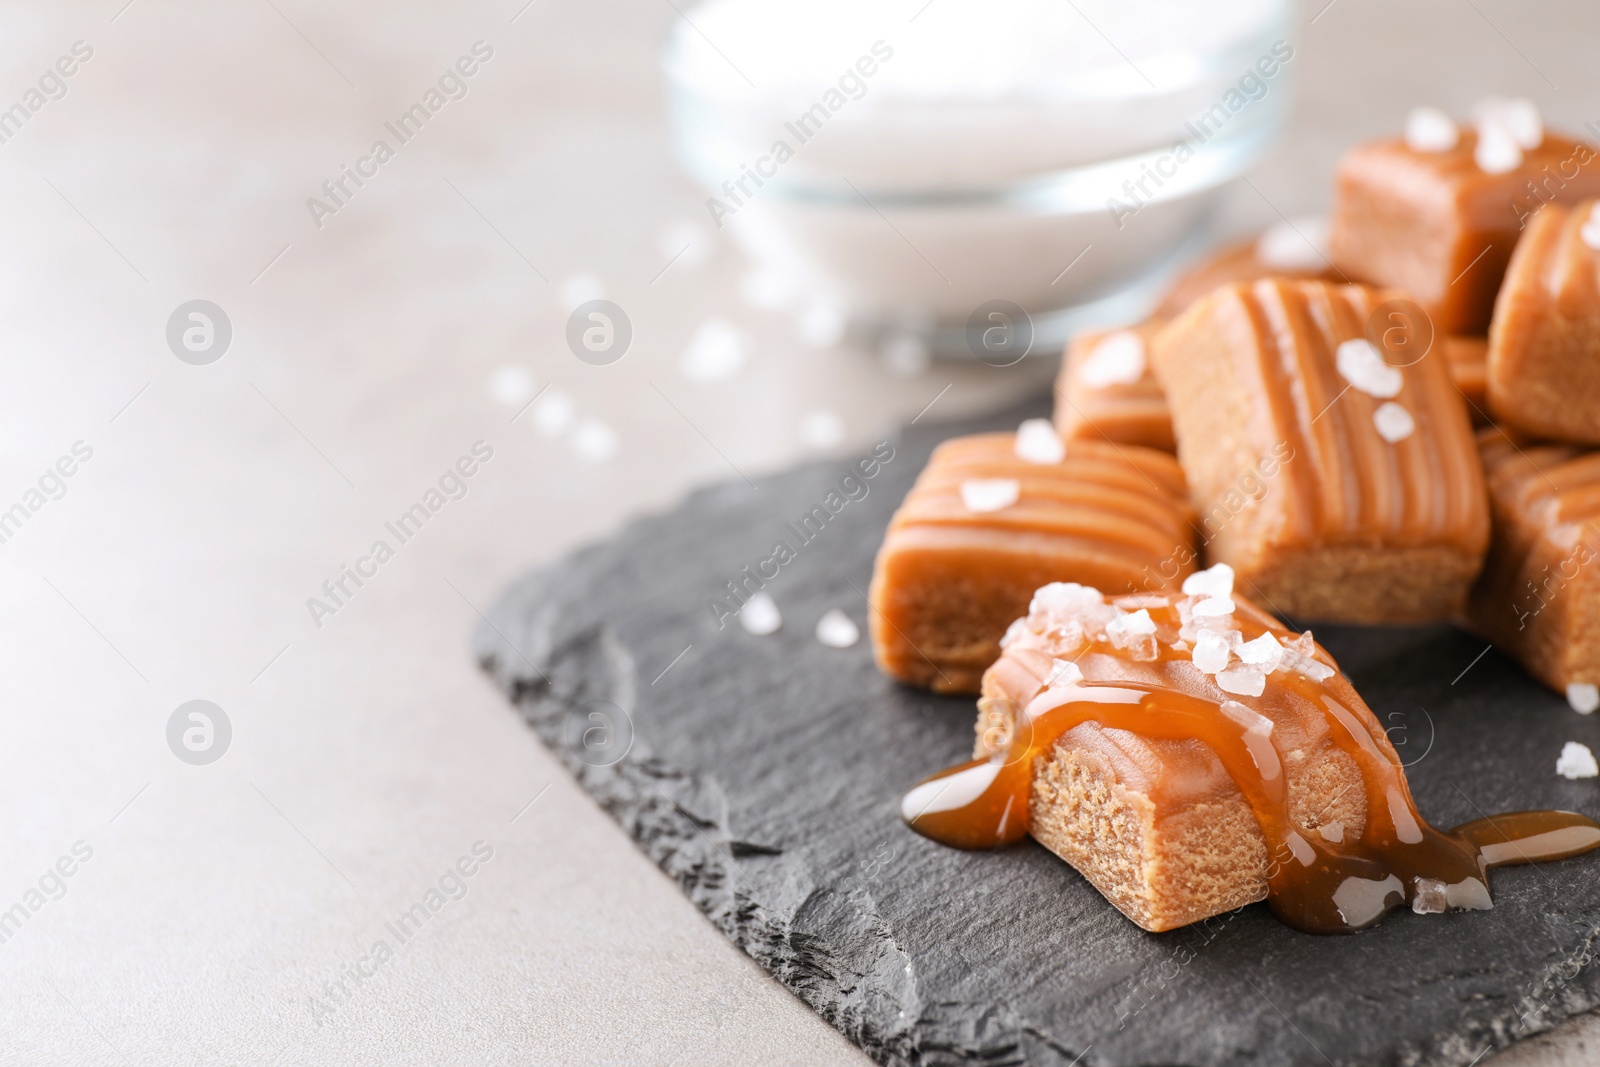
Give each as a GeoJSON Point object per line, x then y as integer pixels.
{"type": "Point", "coordinates": [1106, 391]}
{"type": "Point", "coordinates": [1434, 222]}
{"type": "Point", "coordinates": [1282, 251]}
{"type": "Point", "coordinates": [1544, 345]}
{"type": "Point", "coordinates": [1376, 511]}
{"type": "Point", "coordinates": [982, 528]}
{"type": "Point", "coordinates": [1539, 596]}
{"type": "Point", "coordinates": [1188, 755]}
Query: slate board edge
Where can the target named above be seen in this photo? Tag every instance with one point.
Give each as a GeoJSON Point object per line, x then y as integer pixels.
{"type": "Point", "coordinates": [681, 847]}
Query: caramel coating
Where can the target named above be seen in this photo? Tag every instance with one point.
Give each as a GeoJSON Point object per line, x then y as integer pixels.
{"type": "Point", "coordinates": [948, 580]}
{"type": "Point", "coordinates": [1352, 527]}
{"type": "Point", "coordinates": [1438, 226]}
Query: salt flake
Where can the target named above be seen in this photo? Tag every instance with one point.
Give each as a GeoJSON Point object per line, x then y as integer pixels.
{"type": "Point", "coordinates": [836, 629]}
{"type": "Point", "coordinates": [760, 616]}
{"type": "Point", "coordinates": [1038, 442]}
{"type": "Point", "coordinates": [1214, 581]}
{"type": "Point", "coordinates": [1583, 697]}
{"type": "Point", "coordinates": [1117, 360]}
{"type": "Point", "coordinates": [1393, 422]}
{"type": "Point", "coordinates": [1295, 244]}
{"type": "Point", "coordinates": [1242, 679]}
{"type": "Point", "coordinates": [989, 494]}
{"type": "Point", "coordinates": [1361, 364]}
{"type": "Point", "coordinates": [1577, 761]}
{"type": "Point", "coordinates": [1497, 151]}
{"type": "Point", "coordinates": [1430, 130]}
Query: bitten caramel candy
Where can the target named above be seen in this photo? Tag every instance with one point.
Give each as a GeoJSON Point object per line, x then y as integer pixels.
{"type": "Point", "coordinates": [1376, 511]}
{"type": "Point", "coordinates": [1544, 345]}
{"type": "Point", "coordinates": [1284, 250]}
{"type": "Point", "coordinates": [1539, 596]}
{"type": "Point", "coordinates": [1438, 216]}
{"type": "Point", "coordinates": [1157, 824]}
{"type": "Point", "coordinates": [983, 528]}
{"type": "Point", "coordinates": [1106, 391]}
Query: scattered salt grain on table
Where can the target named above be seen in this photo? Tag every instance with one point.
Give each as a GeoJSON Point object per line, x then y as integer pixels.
{"type": "Point", "coordinates": [1583, 697]}
{"type": "Point", "coordinates": [511, 385]}
{"type": "Point", "coordinates": [594, 440]}
{"type": "Point", "coordinates": [716, 351]}
{"type": "Point", "coordinates": [821, 429]}
{"type": "Point", "coordinates": [1038, 442]}
{"type": "Point", "coordinates": [836, 630]}
{"type": "Point", "coordinates": [1430, 130]}
{"type": "Point", "coordinates": [1577, 761]}
{"type": "Point", "coordinates": [553, 413]}
{"type": "Point", "coordinates": [1117, 360]}
{"type": "Point", "coordinates": [1393, 422]}
{"type": "Point", "coordinates": [760, 616]}
{"type": "Point", "coordinates": [990, 494]}
{"type": "Point", "coordinates": [1361, 365]}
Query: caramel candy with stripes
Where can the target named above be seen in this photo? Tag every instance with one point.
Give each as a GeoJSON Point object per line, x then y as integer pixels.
{"type": "Point", "coordinates": [1376, 512]}
{"type": "Point", "coordinates": [1544, 346]}
{"type": "Point", "coordinates": [1539, 596]}
{"type": "Point", "coordinates": [983, 528]}
{"type": "Point", "coordinates": [1106, 391]}
{"type": "Point", "coordinates": [1439, 226]}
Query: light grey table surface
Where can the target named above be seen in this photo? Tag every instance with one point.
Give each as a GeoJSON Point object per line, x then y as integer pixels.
{"type": "Point", "coordinates": [221, 906]}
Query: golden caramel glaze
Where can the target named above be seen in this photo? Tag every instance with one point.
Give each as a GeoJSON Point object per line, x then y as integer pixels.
{"type": "Point", "coordinates": [1239, 262]}
{"type": "Point", "coordinates": [1544, 345]}
{"type": "Point", "coordinates": [1168, 742]}
{"type": "Point", "coordinates": [1351, 527]}
{"type": "Point", "coordinates": [1128, 413]}
{"type": "Point", "coordinates": [1438, 226]}
{"type": "Point", "coordinates": [1468, 359]}
{"type": "Point", "coordinates": [1538, 598]}
{"type": "Point", "coordinates": [948, 580]}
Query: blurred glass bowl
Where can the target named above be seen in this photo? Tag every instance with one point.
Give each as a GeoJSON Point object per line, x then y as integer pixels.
{"type": "Point", "coordinates": [908, 165]}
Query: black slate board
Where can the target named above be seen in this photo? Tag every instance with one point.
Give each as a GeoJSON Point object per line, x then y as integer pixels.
{"type": "Point", "coordinates": [764, 775]}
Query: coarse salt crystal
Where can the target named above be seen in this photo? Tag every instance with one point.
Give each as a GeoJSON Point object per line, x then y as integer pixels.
{"type": "Point", "coordinates": [1577, 761]}
{"type": "Point", "coordinates": [1117, 360]}
{"type": "Point", "coordinates": [1583, 697]}
{"type": "Point", "coordinates": [1295, 244]}
{"type": "Point", "coordinates": [821, 429]}
{"type": "Point", "coordinates": [1063, 672]}
{"type": "Point", "coordinates": [1214, 581]}
{"type": "Point", "coordinates": [1242, 679]}
{"type": "Point", "coordinates": [836, 629]}
{"type": "Point", "coordinates": [1038, 442]}
{"type": "Point", "coordinates": [1332, 831]}
{"type": "Point", "coordinates": [1361, 364]}
{"type": "Point", "coordinates": [1590, 232]}
{"type": "Point", "coordinates": [760, 616]}
{"type": "Point", "coordinates": [1129, 625]}
{"type": "Point", "coordinates": [1393, 422]}
{"type": "Point", "coordinates": [1497, 151]}
{"type": "Point", "coordinates": [1211, 652]}
{"type": "Point", "coordinates": [1431, 897]}
{"type": "Point", "coordinates": [1014, 633]}
{"type": "Point", "coordinates": [716, 351]}
{"type": "Point", "coordinates": [594, 440]}
{"type": "Point", "coordinates": [1430, 130]}
{"type": "Point", "coordinates": [1264, 652]}
{"type": "Point", "coordinates": [1213, 607]}
{"type": "Point", "coordinates": [989, 494]}
{"type": "Point", "coordinates": [1519, 117]}
{"type": "Point", "coordinates": [1064, 598]}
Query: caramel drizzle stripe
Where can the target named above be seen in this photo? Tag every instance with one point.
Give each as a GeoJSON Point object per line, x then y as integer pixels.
{"type": "Point", "coordinates": [1288, 420]}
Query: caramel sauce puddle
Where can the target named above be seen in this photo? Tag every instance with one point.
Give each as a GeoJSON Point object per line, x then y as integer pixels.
{"type": "Point", "coordinates": [1314, 884]}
